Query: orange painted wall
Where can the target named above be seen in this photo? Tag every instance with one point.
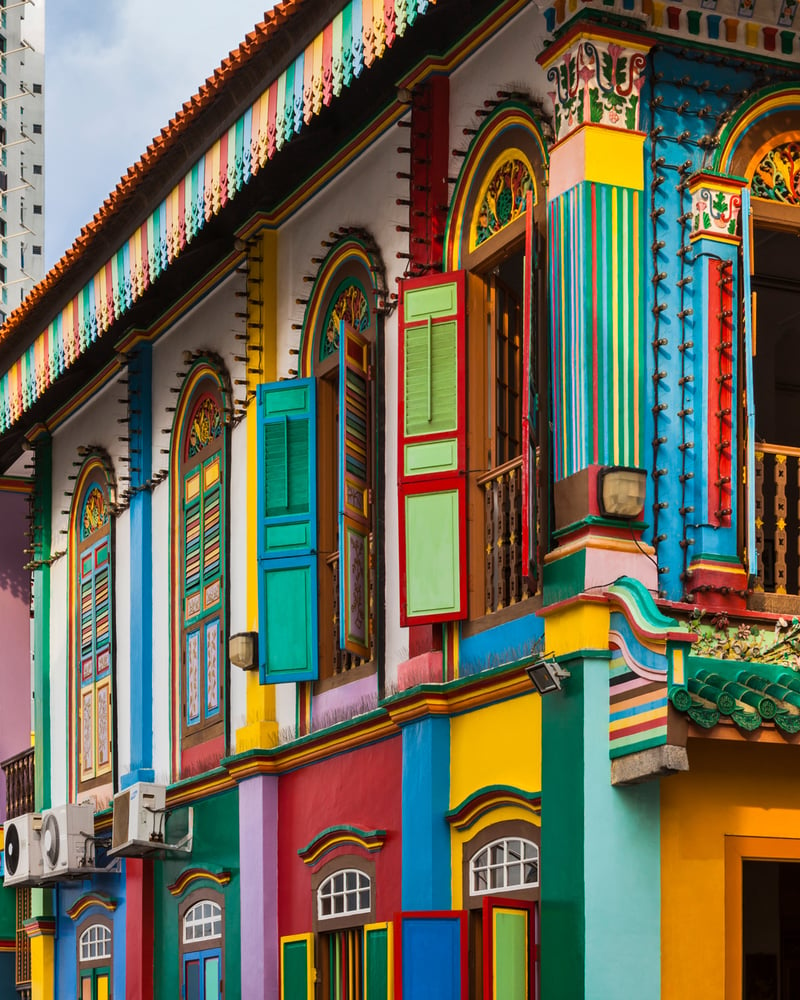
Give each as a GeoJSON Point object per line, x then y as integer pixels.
{"type": "Point", "coordinates": [733, 789]}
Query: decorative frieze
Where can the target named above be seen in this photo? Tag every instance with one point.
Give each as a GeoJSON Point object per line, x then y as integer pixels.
{"type": "Point", "coordinates": [716, 207]}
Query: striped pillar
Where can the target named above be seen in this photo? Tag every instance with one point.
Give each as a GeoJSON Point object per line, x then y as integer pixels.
{"type": "Point", "coordinates": [595, 214]}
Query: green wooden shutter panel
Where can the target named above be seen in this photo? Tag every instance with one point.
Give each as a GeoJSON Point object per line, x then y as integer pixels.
{"type": "Point", "coordinates": [376, 947]}
{"type": "Point", "coordinates": [432, 449]}
{"type": "Point", "coordinates": [511, 960]}
{"type": "Point", "coordinates": [295, 979]}
{"type": "Point", "coordinates": [287, 536]}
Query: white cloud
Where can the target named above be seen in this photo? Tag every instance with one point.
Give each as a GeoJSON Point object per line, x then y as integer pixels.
{"type": "Point", "coordinates": [115, 75]}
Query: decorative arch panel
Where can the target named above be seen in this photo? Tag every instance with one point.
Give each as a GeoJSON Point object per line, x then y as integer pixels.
{"type": "Point", "coordinates": [91, 625]}
{"type": "Point", "coordinates": [199, 489]}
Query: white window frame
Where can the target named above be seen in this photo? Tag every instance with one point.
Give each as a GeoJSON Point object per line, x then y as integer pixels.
{"type": "Point", "coordinates": [205, 926]}
{"type": "Point", "coordinates": [96, 936]}
{"type": "Point", "coordinates": [327, 890]}
{"type": "Point", "coordinates": [476, 865]}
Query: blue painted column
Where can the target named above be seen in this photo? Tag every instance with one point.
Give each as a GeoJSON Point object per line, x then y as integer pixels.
{"type": "Point", "coordinates": [141, 590]}
{"type": "Point", "coordinates": [426, 799]}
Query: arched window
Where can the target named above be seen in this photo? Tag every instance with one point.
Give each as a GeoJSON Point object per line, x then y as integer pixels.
{"type": "Point", "coordinates": [95, 959]}
{"type": "Point", "coordinates": [346, 893]}
{"type": "Point", "coordinates": [317, 461]}
{"type": "Point", "coordinates": [199, 554]}
{"type": "Point", "coordinates": [202, 945]}
{"type": "Point", "coordinates": [505, 865]}
{"type": "Point", "coordinates": [92, 626]}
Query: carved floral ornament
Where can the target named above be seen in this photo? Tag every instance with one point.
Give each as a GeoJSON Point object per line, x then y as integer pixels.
{"type": "Point", "coordinates": [349, 304]}
{"type": "Point", "coordinates": [716, 207]}
{"type": "Point", "coordinates": [95, 512]}
{"type": "Point", "coordinates": [206, 426]}
{"type": "Point", "coordinates": [502, 199]}
{"type": "Point", "coordinates": [597, 83]}
{"type": "Point", "coordinates": [777, 174]}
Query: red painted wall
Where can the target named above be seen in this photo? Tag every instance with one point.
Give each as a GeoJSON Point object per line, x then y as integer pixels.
{"type": "Point", "coordinates": [362, 788]}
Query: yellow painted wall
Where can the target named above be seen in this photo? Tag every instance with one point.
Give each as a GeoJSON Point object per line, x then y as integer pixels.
{"type": "Point", "coordinates": [500, 744]}
{"type": "Point", "coordinates": [733, 789]}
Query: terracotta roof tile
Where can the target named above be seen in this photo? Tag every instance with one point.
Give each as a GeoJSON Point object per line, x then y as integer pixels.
{"type": "Point", "coordinates": [156, 150]}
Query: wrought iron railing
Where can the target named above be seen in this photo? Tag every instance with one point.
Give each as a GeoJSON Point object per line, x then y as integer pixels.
{"type": "Point", "coordinates": [19, 784]}
{"type": "Point", "coordinates": [505, 583]}
{"type": "Point", "coordinates": [777, 510]}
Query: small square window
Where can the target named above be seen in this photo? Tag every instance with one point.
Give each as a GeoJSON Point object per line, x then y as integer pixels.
{"type": "Point", "coordinates": [37, 168]}
{"type": "Point", "coordinates": [37, 129]}
{"type": "Point", "coordinates": [37, 88]}
{"type": "Point", "coordinates": [37, 209]}
{"type": "Point", "coordinates": [37, 251]}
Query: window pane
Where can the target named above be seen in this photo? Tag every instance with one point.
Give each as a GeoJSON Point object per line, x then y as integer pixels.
{"type": "Point", "coordinates": [325, 906]}
{"type": "Point", "coordinates": [532, 873]}
{"type": "Point", "coordinates": [212, 978]}
{"type": "Point", "coordinates": [363, 900]}
{"type": "Point", "coordinates": [352, 881]}
{"type": "Point", "coordinates": [515, 874]}
{"type": "Point", "coordinates": [193, 980]}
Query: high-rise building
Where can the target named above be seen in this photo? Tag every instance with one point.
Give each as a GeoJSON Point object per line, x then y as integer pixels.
{"type": "Point", "coordinates": [21, 150]}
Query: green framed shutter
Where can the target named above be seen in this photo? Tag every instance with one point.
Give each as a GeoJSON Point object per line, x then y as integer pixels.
{"type": "Point", "coordinates": [355, 478]}
{"type": "Point", "coordinates": [378, 962]}
{"type": "Point", "coordinates": [287, 531]}
{"type": "Point", "coordinates": [432, 449]}
{"type": "Point", "coordinates": [297, 967]}
{"type": "Point", "coordinates": [509, 949]}
{"type": "Point", "coordinates": [530, 406]}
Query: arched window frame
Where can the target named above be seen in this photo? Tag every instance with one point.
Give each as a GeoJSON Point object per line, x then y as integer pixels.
{"type": "Point", "coordinates": [91, 622]}
{"type": "Point", "coordinates": [345, 863]}
{"type": "Point", "coordinates": [351, 266]}
{"type": "Point", "coordinates": [200, 480]}
{"type": "Point", "coordinates": [202, 949]}
{"type": "Point", "coordinates": [494, 834]}
{"type": "Point", "coordinates": [94, 969]}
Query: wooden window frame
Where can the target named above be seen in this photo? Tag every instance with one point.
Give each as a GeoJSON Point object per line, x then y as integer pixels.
{"type": "Point", "coordinates": [95, 964]}
{"type": "Point", "coordinates": [514, 829]}
{"type": "Point", "coordinates": [97, 477]}
{"type": "Point", "coordinates": [210, 725]}
{"type": "Point", "coordinates": [207, 944]}
{"type": "Point", "coordinates": [347, 862]}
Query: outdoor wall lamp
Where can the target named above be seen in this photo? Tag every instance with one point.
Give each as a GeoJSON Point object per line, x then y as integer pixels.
{"type": "Point", "coordinates": [546, 674]}
{"type": "Point", "coordinates": [621, 491]}
{"type": "Point", "coordinates": [242, 650]}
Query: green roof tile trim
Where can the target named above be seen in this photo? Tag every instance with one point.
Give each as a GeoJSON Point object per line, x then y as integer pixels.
{"type": "Point", "coordinates": [642, 611]}
{"type": "Point", "coordinates": [749, 695]}
{"type": "Point", "coordinates": [349, 45]}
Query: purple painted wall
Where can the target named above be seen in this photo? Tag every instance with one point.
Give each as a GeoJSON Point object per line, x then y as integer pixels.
{"type": "Point", "coordinates": [15, 657]}
{"type": "Point", "coordinates": [258, 873]}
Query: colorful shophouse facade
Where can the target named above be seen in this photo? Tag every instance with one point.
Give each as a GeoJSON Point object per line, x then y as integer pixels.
{"type": "Point", "coordinates": [317, 407]}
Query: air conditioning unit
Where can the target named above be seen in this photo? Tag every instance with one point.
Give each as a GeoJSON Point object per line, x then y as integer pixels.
{"type": "Point", "coordinates": [139, 818]}
{"type": "Point", "coordinates": [23, 851]}
{"type": "Point", "coordinates": [67, 844]}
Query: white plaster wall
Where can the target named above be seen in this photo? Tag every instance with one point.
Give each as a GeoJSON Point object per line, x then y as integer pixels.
{"type": "Point", "coordinates": [122, 639]}
{"type": "Point", "coordinates": [506, 62]}
{"type": "Point", "coordinates": [238, 557]}
{"type": "Point", "coordinates": [58, 683]}
{"type": "Point", "coordinates": [162, 698]}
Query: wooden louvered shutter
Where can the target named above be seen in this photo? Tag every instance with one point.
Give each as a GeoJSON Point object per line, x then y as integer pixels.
{"type": "Point", "coordinates": [378, 961]}
{"type": "Point", "coordinates": [297, 967]}
{"type": "Point", "coordinates": [530, 406]}
{"type": "Point", "coordinates": [287, 531]}
{"type": "Point", "coordinates": [355, 479]}
{"type": "Point", "coordinates": [509, 949]}
{"type": "Point", "coordinates": [432, 449]}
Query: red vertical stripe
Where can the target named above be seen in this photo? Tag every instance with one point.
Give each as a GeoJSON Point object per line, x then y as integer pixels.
{"type": "Point", "coordinates": [139, 929]}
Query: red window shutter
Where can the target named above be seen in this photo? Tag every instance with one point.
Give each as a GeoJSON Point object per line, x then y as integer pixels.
{"type": "Point", "coordinates": [432, 449]}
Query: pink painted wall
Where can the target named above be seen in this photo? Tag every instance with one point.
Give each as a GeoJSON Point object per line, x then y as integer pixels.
{"type": "Point", "coordinates": [362, 788]}
{"type": "Point", "coordinates": [15, 678]}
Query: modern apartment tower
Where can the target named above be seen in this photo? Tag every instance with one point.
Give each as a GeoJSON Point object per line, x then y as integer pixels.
{"type": "Point", "coordinates": [21, 150]}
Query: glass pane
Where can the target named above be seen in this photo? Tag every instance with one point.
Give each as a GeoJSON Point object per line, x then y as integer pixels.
{"type": "Point", "coordinates": [363, 899]}
{"type": "Point", "coordinates": [352, 901]}
{"type": "Point", "coordinates": [532, 873]}
{"type": "Point", "coordinates": [338, 882]}
{"type": "Point", "coordinates": [479, 883]}
{"type": "Point", "coordinates": [193, 980]}
{"type": "Point", "coordinates": [338, 904]}
{"type": "Point", "coordinates": [496, 878]}
{"type": "Point", "coordinates": [352, 881]}
{"type": "Point", "coordinates": [497, 854]}
{"type": "Point", "coordinates": [481, 859]}
{"type": "Point", "coordinates": [514, 875]}
{"type": "Point", "coordinates": [514, 850]}
{"type": "Point", "coordinates": [325, 906]}
{"type": "Point", "coordinates": [212, 978]}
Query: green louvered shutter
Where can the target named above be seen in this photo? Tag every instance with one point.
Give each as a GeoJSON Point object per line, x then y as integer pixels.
{"type": "Point", "coordinates": [432, 449]}
{"type": "Point", "coordinates": [509, 949]}
{"type": "Point", "coordinates": [355, 480]}
{"type": "Point", "coordinates": [297, 967]}
{"type": "Point", "coordinates": [287, 531]}
{"type": "Point", "coordinates": [378, 962]}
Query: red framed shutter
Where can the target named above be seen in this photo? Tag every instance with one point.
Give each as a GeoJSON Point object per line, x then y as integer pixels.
{"type": "Point", "coordinates": [509, 949]}
{"type": "Point", "coordinates": [530, 485]}
{"type": "Point", "coordinates": [355, 477]}
{"type": "Point", "coordinates": [432, 449]}
{"type": "Point", "coordinates": [287, 531]}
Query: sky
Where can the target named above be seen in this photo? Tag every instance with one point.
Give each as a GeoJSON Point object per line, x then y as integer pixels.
{"type": "Point", "coordinates": [115, 73]}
